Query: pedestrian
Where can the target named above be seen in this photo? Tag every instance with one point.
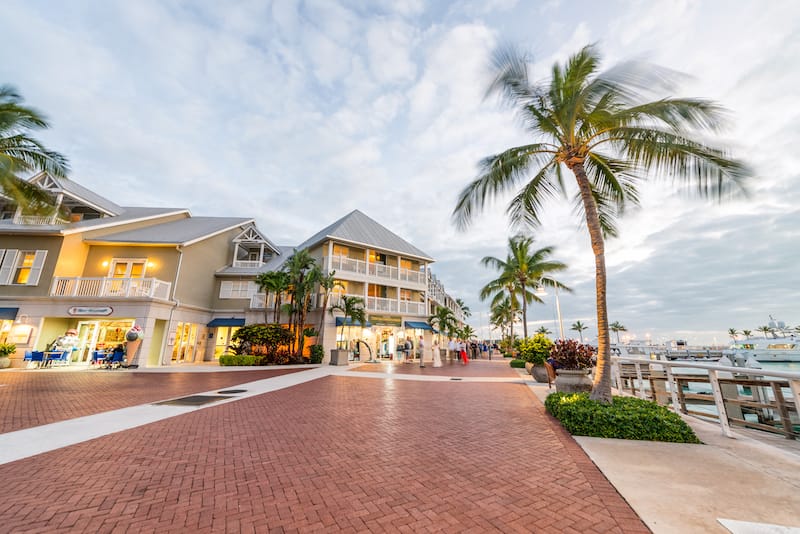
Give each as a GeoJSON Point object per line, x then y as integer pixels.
{"type": "Point", "coordinates": [451, 350]}
{"type": "Point", "coordinates": [462, 348]}
{"type": "Point", "coordinates": [421, 351]}
{"type": "Point", "coordinates": [409, 348]}
{"type": "Point", "coordinates": [437, 358]}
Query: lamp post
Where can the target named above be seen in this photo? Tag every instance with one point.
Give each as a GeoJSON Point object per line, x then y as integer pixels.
{"type": "Point", "coordinates": [541, 293]}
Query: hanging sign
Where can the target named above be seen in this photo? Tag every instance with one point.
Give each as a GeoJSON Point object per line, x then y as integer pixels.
{"type": "Point", "coordinates": [90, 310]}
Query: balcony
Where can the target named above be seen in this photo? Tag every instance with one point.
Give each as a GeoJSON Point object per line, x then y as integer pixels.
{"type": "Point", "coordinates": [247, 264]}
{"type": "Point", "coordinates": [377, 270]}
{"type": "Point", "coordinates": [384, 305]}
{"type": "Point", "coordinates": [34, 220]}
{"type": "Point", "coordinates": [111, 287]}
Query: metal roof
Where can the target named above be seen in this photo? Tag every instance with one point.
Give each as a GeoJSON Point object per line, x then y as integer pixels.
{"type": "Point", "coordinates": [77, 192]}
{"type": "Point", "coordinates": [181, 232]}
{"type": "Point", "coordinates": [274, 264]}
{"type": "Point", "coordinates": [357, 228]}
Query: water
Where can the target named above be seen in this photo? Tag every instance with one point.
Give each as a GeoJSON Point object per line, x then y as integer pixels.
{"type": "Point", "coordinates": [782, 366]}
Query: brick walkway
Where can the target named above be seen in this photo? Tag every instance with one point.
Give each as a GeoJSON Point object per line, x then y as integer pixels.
{"type": "Point", "coordinates": [483, 368]}
{"type": "Point", "coordinates": [337, 454]}
{"type": "Point", "coordinates": [33, 398]}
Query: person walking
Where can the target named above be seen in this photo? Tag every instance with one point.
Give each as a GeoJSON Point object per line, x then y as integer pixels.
{"type": "Point", "coordinates": [462, 348]}
{"type": "Point", "coordinates": [421, 351]}
{"type": "Point", "coordinates": [437, 357]}
{"type": "Point", "coordinates": [451, 350]}
{"type": "Point", "coordinates": [409, 348]}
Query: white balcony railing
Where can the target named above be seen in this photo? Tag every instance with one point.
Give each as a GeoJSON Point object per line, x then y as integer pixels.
{"type": "Point", "coordinates": [36, 220]}
{"type": "Point", "coordinates": [247, 264]}
{"type": "Point", "coordinates": [378, 270]}
{"type": "Point", "coordinates": [259, 301]}
{"type": "Point", "coordinates": [110, 287]}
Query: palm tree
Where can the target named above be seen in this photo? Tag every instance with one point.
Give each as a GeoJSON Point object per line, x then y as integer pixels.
{"type": "Point", "coordinates": [21, 153]}
{"type": "Point", "coordinates": [467, 332]}
{"type": "Point", "coordinates": [579, 327]}
{"type": "Point", "coordinates": [503, 290]}
{"type": "Point", "coordinates": [600, 127]}
{"type": "Point", "coordinates": [465, 311]}
{"type": "Point", "coordinates": [327, 282]}
{"type": "Point", "coordinates": [302, 277]}
{"type": "Point", "coordinates": [617, 327]}
{"type": "Point", "coordinates": [526, 269]}
{"type": "Point", "coordinates": [733, 333]}
{"type": "Point", "coordinates": [502, 315]}
{"type": "Point", "coordinates": [353, 309]}
{"type": "Point", "coordinates": [764, 330]}
{"type": "Point", "coordinates": [444, 319]}
{"type": "Point", "coordinates": [543, 330]}
{"type": "Point", "coordinates": [747, 333]}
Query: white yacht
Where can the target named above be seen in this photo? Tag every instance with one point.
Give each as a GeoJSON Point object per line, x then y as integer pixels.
{"type": "Point", "coordinates": [777, 348]}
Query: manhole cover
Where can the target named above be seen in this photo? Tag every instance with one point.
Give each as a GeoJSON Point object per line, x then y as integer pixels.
{"type": "Point", "coordinates": [229, 391]}
{"type": "Point", "coordinates": [193, 400]}
{"type": "Point", "coordinates": [455, 379]}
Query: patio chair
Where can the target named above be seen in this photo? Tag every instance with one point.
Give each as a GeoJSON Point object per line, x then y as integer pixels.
{"type": "Point", "coordinates": [61, 359]}
{"type": "Point", "coordinates": [28, 356]}
{"type": "Point", "coordinates": [37, 357]}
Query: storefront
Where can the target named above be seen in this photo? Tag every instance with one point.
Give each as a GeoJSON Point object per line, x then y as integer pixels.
{"type": "Point", "coordinates": [223, 330]}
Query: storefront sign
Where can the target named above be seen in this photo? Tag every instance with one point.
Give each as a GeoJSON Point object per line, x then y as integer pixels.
{"type": "Point", "coordinates": [90, 310]}
{"type": "Point", "coordinates": [384, 320]}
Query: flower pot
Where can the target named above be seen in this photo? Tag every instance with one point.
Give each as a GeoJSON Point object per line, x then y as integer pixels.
{"type": "Point", "coordinates": [573, 380]}
{"type": "Point", "coordinates": [5, 362]}
{"type": "Point", "coordinates": [539, 373]}
{"type": "Point", "coordinates": [528, 367]}
{"type": "Point", "coordinates": [340, 357]}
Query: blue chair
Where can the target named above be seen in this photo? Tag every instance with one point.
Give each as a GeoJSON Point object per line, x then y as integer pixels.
{"type": "Point", "coordinates": [98, 357]}
{"type": "Point", "coordinates": [61, 359]}
{"type": "Point", "coordinates": [28, 356]}
{"type": "Point", "coordinates": [117, 359]}
{"type": "Point", "coordinates": [37, 357]}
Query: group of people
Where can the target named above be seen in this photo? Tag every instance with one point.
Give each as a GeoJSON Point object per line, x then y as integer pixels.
{"type": "Point", "coordinates": [406, 350]}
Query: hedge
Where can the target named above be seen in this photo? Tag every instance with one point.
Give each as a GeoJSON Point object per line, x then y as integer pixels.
{"type": "Point", "coordinates": [625, 418]}
{"type": "Point", "coordinates": [236, 359]}
{"type": "Point", "coordinates": [517, 363]}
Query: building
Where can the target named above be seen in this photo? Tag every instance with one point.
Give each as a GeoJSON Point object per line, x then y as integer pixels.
{"type": "Point", "coordinates": [189, 282]}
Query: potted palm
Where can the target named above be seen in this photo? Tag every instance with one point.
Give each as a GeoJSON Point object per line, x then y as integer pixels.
{"type": "Point", "coordinates": [535, 351]}
{"type": "Point", "coordinates": [573, 362]}
{"type": "Point", "coordinates": [353, 309]}
{"type": "Point", "coordinates": [6, 350]}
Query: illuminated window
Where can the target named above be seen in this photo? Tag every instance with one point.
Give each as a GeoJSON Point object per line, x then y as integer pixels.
{"type": "Point", "coordinates": [24, 265]}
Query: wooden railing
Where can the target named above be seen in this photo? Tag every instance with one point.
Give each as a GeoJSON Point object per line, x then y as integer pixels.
{"type": "Point", "coordinates": [110, 287]}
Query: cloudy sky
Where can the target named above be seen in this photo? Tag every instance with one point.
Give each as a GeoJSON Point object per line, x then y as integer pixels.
{"type": "Point", "coordinates": [297, 112]}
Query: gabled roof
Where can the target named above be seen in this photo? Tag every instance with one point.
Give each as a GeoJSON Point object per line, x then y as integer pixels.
{"type": "Point", "coordinates": [251, 234]}
{"type": "Point", "coordinates": [182, 232]}
{"type": "Point", "coordinates": [128, 215]}
{"type": "Point", "coordinates": [274, 264]}
{"type": "Point", "coordinates": [358, 229]}
{"type": "Point", "coordinates": [76, 192]}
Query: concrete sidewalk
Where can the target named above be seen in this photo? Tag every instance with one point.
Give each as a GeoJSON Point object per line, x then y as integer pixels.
{"type": "Point", "coordinates": [691, 488]}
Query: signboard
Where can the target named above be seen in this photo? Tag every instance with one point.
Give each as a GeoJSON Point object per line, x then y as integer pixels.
{"type": "Point", "coordinates": [385, 320]}
{"type": "Point", "coordinates": [90, 310]}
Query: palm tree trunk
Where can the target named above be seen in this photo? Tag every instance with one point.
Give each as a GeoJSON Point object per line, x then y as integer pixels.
{"type": "Point", "coordinates": [601, 390]}
{"type": "Point", "coordinates": [322, 319]}
{"type": "Point", "coordinates": [266, 309]}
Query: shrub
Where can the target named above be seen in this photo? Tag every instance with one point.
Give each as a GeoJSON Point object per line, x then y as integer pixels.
{"type": "Point", "coordinates": [569, 354]}
{"type": "Point", "coordinates": [535, 349]}
{"type": "Point", "coordinates": [517, 363]}
{"type": "Point", "coordinates": [625, 418]}
{"type": "Point", "coordinates": [7, 349]}
{"type": "Point", "coordinates": [317, 353]}
{"type": "Point", "coordinates": [239, 359]}
{"type": "Point", "coordinates": [267, 340]}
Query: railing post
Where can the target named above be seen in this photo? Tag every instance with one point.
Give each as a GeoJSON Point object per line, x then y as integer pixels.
{"type": "Point", "coordinates": [720, 402]}
{"type": "Point", "coordinates": [615, 374]}
{"type": "Point", "coordinates": [640, 380]}
{"type": "Point", "coordinates": [673, 389]}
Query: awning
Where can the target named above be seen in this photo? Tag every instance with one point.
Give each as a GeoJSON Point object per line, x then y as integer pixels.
{"type": "Point", "coordinates": [340, 321]}
{"type": "Point", "coordinates": [8, 313]}
{"type": "Point", "coordinates": [418, 325]}
{"type": "Point", "coordinates": [225, 322]}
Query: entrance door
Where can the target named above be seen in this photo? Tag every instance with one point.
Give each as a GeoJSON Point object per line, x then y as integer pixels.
{"type": "Point", "coordinates": [185, 341]}
{"type": "Point", "coordinates": [222, 339]}
{"type": "Point", "coordinates": [87, 336]}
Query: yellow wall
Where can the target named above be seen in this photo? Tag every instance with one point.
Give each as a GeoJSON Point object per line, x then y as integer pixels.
{"type": "Point", "coordinates": [164, 259]}
{"type": "Point", "coordinates": [72, 257]}
{"type": "Point", "coordinates": [154, 358]}
{"type": "Point", "coordinates": [51, 329]}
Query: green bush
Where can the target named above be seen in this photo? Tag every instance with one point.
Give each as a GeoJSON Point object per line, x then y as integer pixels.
{"type": "Point", "coordinates": [239, 359]}
{"type": "Point", "coordinates": [517, 363]}
{"type": "Point", "coordinates": [625, 418]}
{"type": "Point", "coordinates": [534, 349]}
{"type": "Point", "coordinates": [317, 353]}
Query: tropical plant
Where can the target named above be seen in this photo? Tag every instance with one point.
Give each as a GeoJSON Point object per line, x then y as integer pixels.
{"type": "Point", "coordinates": [327, 283]}
{"type": "Point", "coordinates": [444, 320]}
{"type": "Point", "coordinates": [267, 340]}
{"type": "Point", "coordinates": [765, 330]}
{"type": "Point", "coordinates": [501, 315]}
{"type": "Point", "coordinates": [579, 327]}
{"type": "Point", "coordinates": [747, 333]}
{"type": "Point", "coordinates": [353, 309]}
{"type": "Point", "coordinates": [733, 333]}
{"type": "Point", "coordinates": [465, 311]}
{"type": "Point", "coordinates": [7, 349]}
{"type": "Point", "coordinates": [466, 332]}
{"type": "Point", "coordinates": [524, 269]}
{"type": "Point", "coordinates": [569, 354]}
{"type": "Point", "coordinates": [617, 327]}
{"type": "Point", "coordinates": [20, 153]}
{"type": "Point", "coordinates": [302, 272]}
{"type": "Point", "coordinates": [535, 349]}
{"type": "Point", "coordinates": [602, 128]}
{"type": "Point", "coordinates": [543, 330]}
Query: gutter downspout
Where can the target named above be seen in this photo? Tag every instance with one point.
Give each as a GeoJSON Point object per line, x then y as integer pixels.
{"type": "Point", "coordinates": [175, 304]}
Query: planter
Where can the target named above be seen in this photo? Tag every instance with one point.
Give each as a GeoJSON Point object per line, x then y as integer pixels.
{"type": "Point", "coordinates": [5, 362]}
{"type": "Point", "coordinates": [528, 367]}
{"type": "Point", "coordinates": [573, 380]}
{"type": "Point", "coordinates": [340, 357]}
{"type": "Point", "coordinates": [539, 373]}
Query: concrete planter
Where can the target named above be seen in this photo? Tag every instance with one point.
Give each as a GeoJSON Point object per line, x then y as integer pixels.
{"type": "Point", "coordinates": [573, 380]}
{"type": "Point", "coordinates": [5, 362]}
{"type": "Point", "coordinates": [340, 357]}
{"type": "Point", "coordinates": [539, 373]}
{"type": "Point", "coordinates": [528, 367]}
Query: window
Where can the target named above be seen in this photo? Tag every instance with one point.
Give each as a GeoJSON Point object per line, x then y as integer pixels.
{"type": "Point", "coordinates": [21, 267]}
{"type": "Point", "coordinates": [405, 294]}
{"type": "Point", "coordinates": [237, 289]}
{"type": "Point", "coordinates": [127, 268]}
{"type": "Point", "coordinates": [340, 250]}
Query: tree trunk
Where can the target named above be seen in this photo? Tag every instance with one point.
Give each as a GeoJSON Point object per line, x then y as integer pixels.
{"type": "Point", "coordinates": [524, 314]}
{"type": "Point", "coordinates": [322, 319]}
{"type": "Point", "coordinates": [601, 389]}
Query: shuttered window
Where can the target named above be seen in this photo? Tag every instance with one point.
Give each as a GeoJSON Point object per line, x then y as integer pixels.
{"type": "Point", "coordinates": [21, 267]}
{"type": "Point", "coordinates": [239, 289]}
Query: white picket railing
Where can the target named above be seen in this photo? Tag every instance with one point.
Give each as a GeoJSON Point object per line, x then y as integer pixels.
{"type": "Point", "coordinates": [378, 270]}
{"type": "Point", "coordinates": [247, 264]}
{"type": "Point", "coordinates": [110, 287]}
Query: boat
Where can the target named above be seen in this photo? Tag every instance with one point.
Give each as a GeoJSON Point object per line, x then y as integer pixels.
{"type": "Point", "coordinates": [778, 348]}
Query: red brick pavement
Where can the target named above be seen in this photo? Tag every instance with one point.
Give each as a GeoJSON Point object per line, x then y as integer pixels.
{"type": "Point", "coordinates": [32, 398]}
{"type": "Point", "coordinates": [337, 454]}
{"type": "Point", "coordinates": [474, 368]}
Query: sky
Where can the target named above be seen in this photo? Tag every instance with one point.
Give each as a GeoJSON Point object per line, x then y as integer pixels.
{"type": "Point", "coordinates": [297, 112]}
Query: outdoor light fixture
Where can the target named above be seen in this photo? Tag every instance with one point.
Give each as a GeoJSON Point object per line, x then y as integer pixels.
{"type": "Point", "coordinates": [105, 263]}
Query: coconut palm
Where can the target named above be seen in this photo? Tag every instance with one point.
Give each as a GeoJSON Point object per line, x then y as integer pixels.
{"type": "Point", "coordinates": [327, 283]}
{"type": "Point", "coordinates": [617, 327]}
{"type": "Point", "coordinates": [579, 327]}
{"type": "Point", "coordinates": [525, 269]}
{"type": "Point", "coordinates": [543, 330]}
{"type": "Point", "coordinates": [353, 309]}
{"type": "Point", "coordinates": [21, 154]}
{"type": "Point", "coordinates": [502, 315]}
{"type": "Point", "coordinates": [465, 311]}
{"type": "Point", "coordinates": [302, 277]}
{"type": "Point", "coordinates": [443, 319]}
{"type": "Point", "coordinates": [733, 333]}
{"type": "Point", "coordinates": [747, 333]}
{"type": "Point", "coordinates": [601, 127]}
{"type": "Point", "coordinates": [765, 330]}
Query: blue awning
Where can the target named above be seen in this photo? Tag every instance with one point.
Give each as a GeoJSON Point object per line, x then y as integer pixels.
{"type": "Point", "coordinates": [418, 325]}
{"type": "Point", "coordinates": [340, 321]}
{"type": "Point", "coordinates": [225, 322]}
{"type": "Point", "coordinates": [8, 313]}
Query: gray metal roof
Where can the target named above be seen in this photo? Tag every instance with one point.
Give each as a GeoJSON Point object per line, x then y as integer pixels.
{"type": "Point", "coordinates": [357, 228]}
{"type": "Point", "coordinates": [274, 264]}
{"type": "Point", "coordinates": [127, 215]}
{"type": "Point", "coordinates": [180, 232]}
{"type": "Point", "coordinates": [77, 192]}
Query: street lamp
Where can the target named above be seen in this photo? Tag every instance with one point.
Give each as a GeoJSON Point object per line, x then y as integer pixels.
{"type": "Point", "coordinates": [540, 292]}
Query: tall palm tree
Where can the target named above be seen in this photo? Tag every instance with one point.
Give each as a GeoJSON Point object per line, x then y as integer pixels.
{"type": "Point", "coordinates": [600, 127]}
{"type": "Point", "coordinates": [747, 333]}
{"type": "Point", "coordinates": [543, 330]}
{"type": "Point", "coordinates": [443, 319]}
{"type": "Point", "coordinates": [300, 269]}
{"type": "Point", "coordinates": [733, 333]}
{"type": "Point", "coordinates": [465, 311]}
{"type": "Point", "coordinates": [502, 315]}
{"type": "Point", "coordinates": [20, 153]}
{"type": "Point", "coordinates": [327, 283]}
{"type": "Point", "coordinates": [764, 330]}
{"type": "Point", "coordinates": [579, 327]}
{"type": "Point", "coordinates": [526, 269]}
{"type": "Point", "coordinates": [617, 327]}
{"type": "Point", "coordinates": [353, 309]}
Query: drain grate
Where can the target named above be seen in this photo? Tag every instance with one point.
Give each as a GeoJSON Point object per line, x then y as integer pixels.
{"type": "Point", "coordinates": [229, 391]}
{"type": "Point", "coordinates": [455, 379]}
{"type": "Point", "coordinates": [193, 400]}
